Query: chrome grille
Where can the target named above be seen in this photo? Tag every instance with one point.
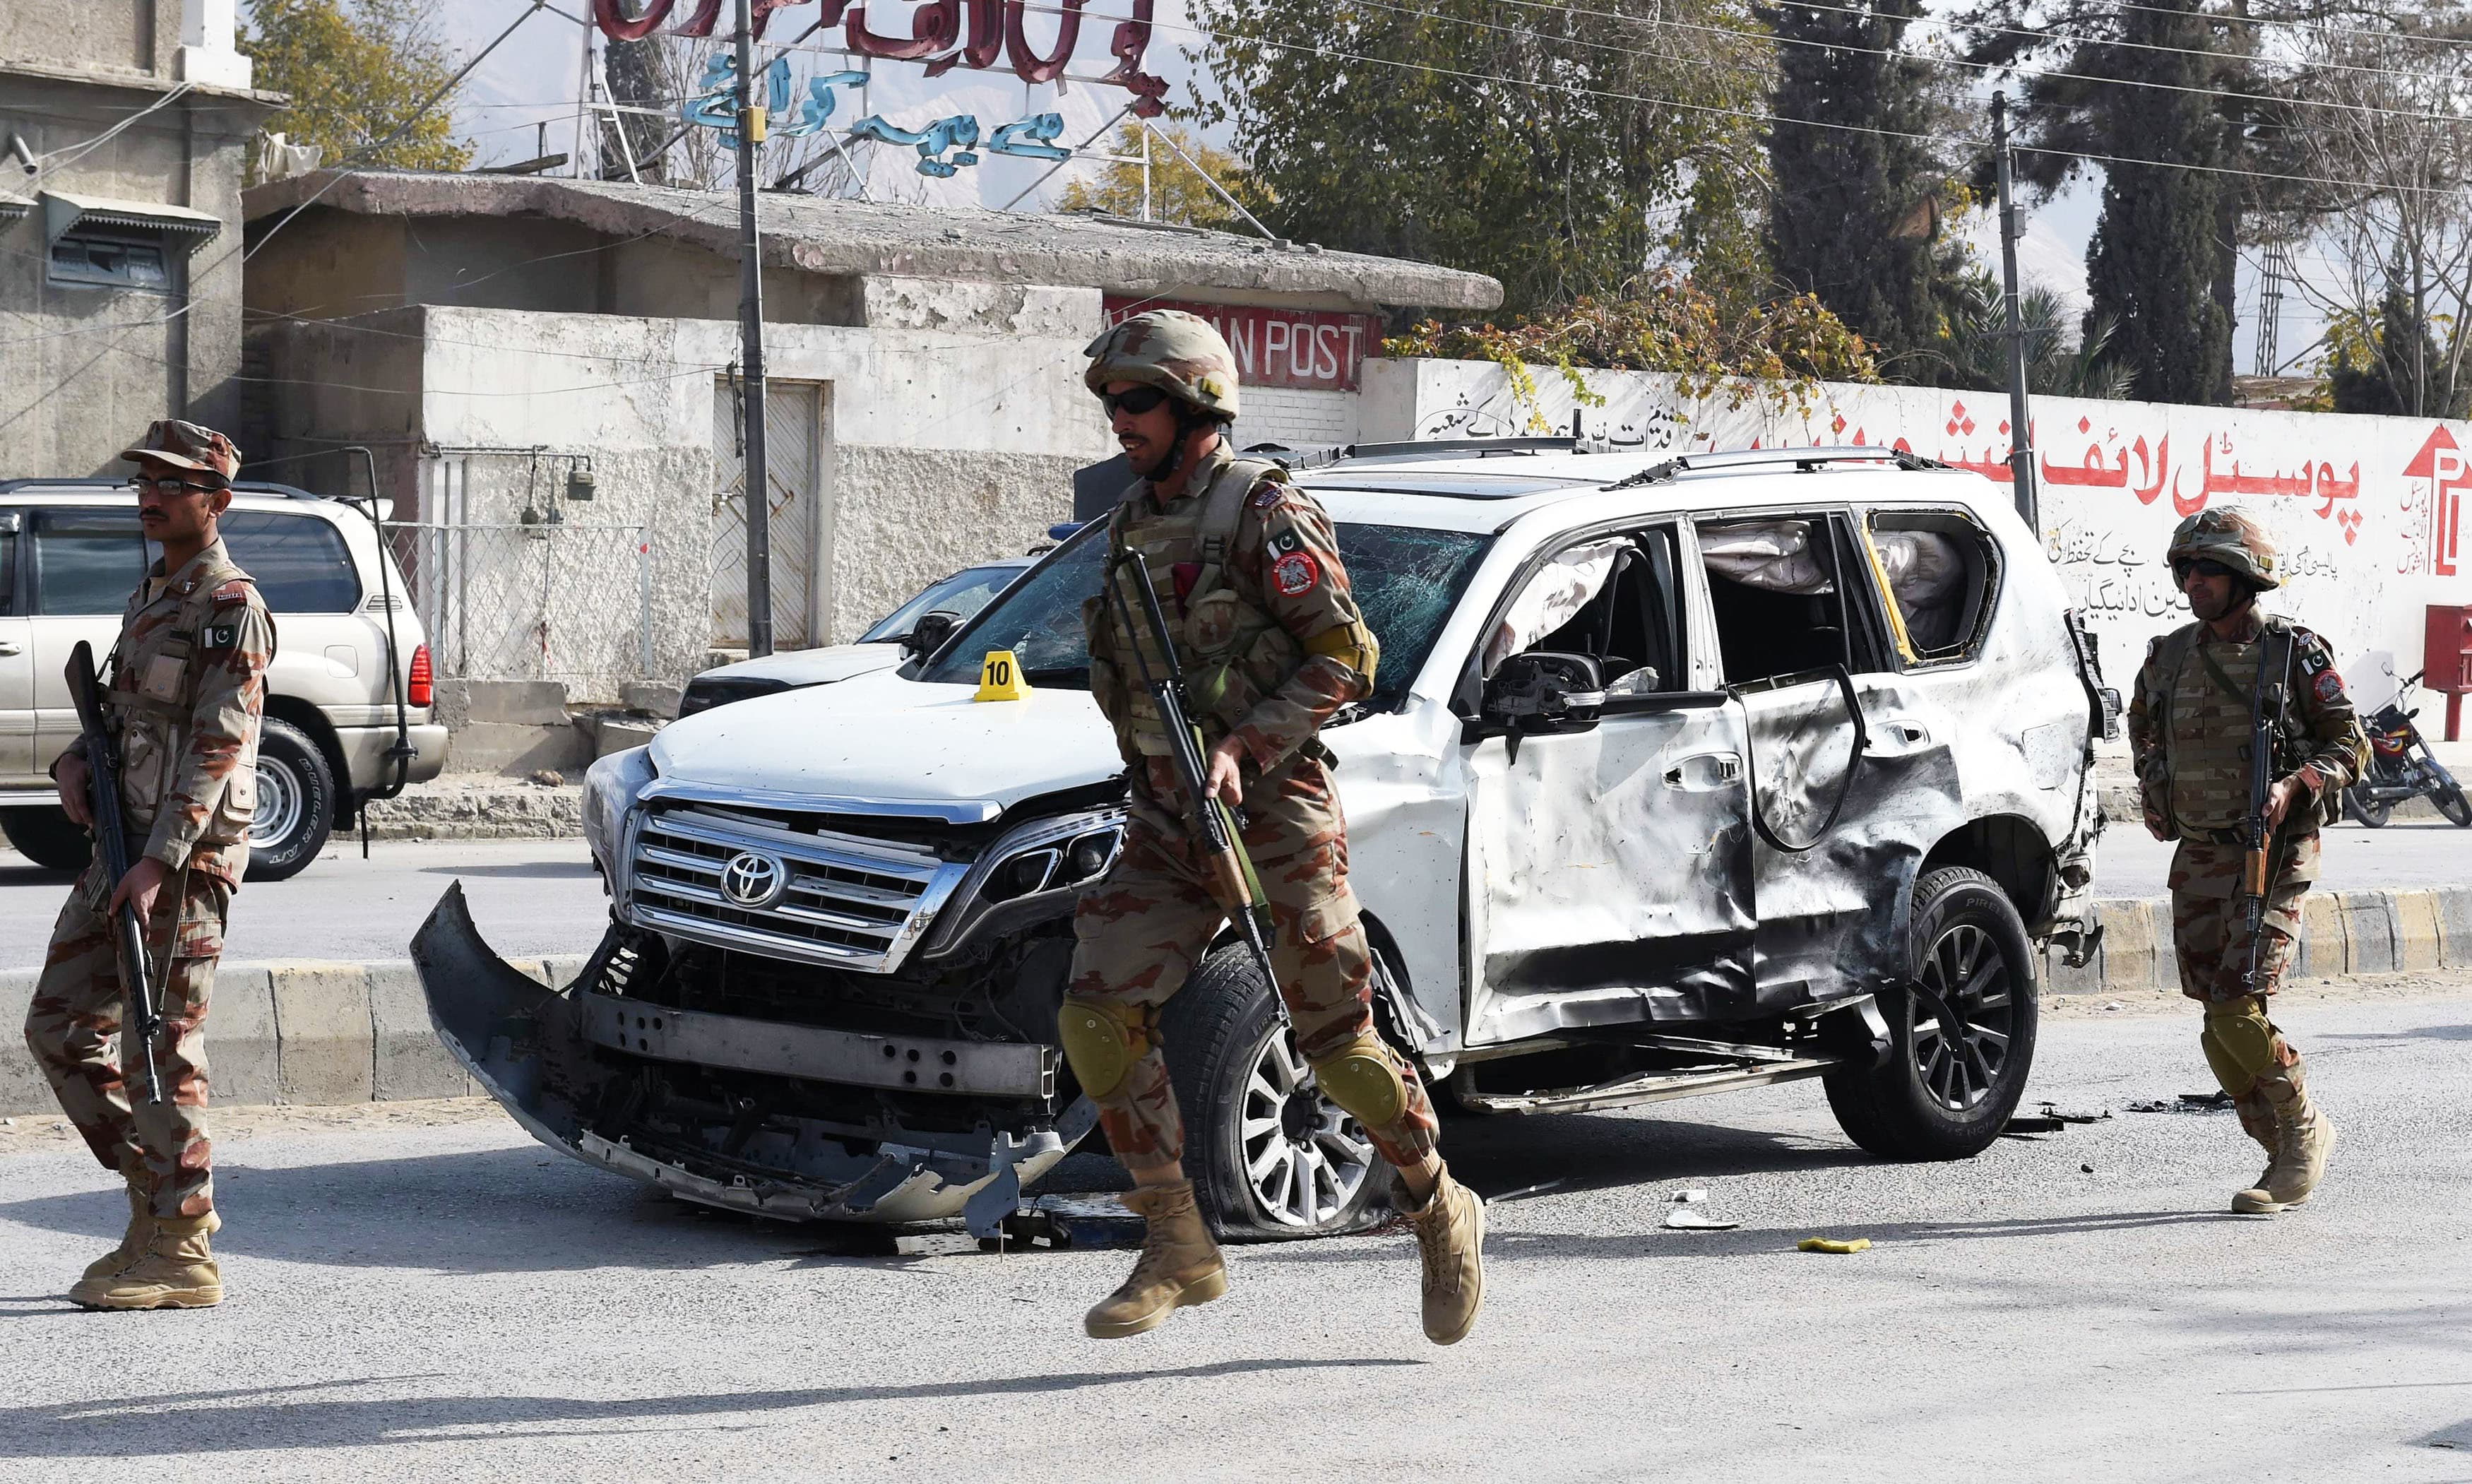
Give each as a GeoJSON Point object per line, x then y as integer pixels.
{"type": "Point", "coordinates": [833, 898]}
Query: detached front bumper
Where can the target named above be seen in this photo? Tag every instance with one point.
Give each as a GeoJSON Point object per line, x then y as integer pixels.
{"type": "Point", "coordinates": [557, 1061]}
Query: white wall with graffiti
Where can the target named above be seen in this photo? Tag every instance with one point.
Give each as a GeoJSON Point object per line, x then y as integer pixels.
{"type": "Point", "coordinates": [2369, 512]}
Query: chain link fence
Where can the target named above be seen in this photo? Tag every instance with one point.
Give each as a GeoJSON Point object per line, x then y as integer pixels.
{"type": "Point", "coordinates": [562, 601]}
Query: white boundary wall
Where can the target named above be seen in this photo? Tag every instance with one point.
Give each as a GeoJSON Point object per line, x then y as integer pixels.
{"type": "Point", "coordinates": [2368, 512]}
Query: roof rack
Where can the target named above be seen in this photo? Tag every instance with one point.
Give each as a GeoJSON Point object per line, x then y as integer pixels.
{"type": "Point", "coordinates": [1428, 448]}
{"type": "Point", "coordinates": [1804, 460]}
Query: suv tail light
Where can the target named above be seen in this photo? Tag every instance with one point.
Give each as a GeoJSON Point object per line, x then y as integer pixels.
{"type": "Point", "coordinates": [417, 686]}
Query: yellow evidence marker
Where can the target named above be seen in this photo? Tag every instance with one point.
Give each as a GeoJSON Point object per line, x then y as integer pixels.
{"type": "Point", "coordinates": [1000, 678]}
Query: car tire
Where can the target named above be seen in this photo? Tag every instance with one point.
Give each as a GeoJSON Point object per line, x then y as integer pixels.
{"type": "Point", "coordinates": [1931, 1099]}
{"type": "Point", "coordinates": [45, 835]}
{"type": "Point", "coordinates": [295, 802]}
{"type": "Point", "coordinates": [1247, 1098]}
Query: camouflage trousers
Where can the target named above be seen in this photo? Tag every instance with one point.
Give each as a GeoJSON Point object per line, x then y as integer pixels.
{"type": "Point", "coordinates": [75, 1028]}
{"type": "Point", "coordinates": [1143, 929]}
{"type": "Point", "coordinates": [2247, 1053]}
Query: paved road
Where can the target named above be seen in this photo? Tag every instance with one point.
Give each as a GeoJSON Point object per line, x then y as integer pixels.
{"type": "Point", "coordinates": [528, 897]}
{"type": "Point", "coordinates": [455, 1301]}
{"type": "Point", "coordinates": [532, 896]}
{"type": "Point", "coordinates": [2433, 852]}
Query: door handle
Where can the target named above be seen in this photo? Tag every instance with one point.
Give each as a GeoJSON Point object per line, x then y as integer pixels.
{"type": "Point", "coordinates": [12, 647]}
{"type": "Point", "coordinates": [1704, 770]}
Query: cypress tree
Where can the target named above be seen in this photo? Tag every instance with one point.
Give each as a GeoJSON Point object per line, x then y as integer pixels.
{"type": "Point", "coordinates": [1855, 213]}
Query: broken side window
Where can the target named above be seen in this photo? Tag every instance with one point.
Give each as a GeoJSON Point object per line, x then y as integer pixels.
{"type": "Point", "coordinates": [1942, 571]}
{"type": "Point", "coordinates": [1615, 598]}
{"type": "Point", "coordinates": [1783, 613]}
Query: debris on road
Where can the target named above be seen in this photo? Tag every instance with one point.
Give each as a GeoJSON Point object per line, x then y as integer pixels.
{"type": "Point", "coordinates": [1831, 1244]}
{"type": "Point", "coordinates": [2186, 1102]}
{"type": "Point", "coordinates": [1525, 1191]}
{"type": "Point", "coordinates": [2053, 1119]}
{"type": "Point", "coordinates": [1682, 1218]}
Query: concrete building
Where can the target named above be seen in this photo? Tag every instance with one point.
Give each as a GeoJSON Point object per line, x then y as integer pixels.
{"type": "Point", "coordinates": [507, 345]}
{"type": "Point", "coordinates": [124, 133]}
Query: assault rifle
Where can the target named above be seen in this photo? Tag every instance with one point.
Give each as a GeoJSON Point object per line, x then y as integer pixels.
{"type": "Point", "coordinates": [111, 847]}
{"type": "Point", "coordinates": [2266, 711]}
{"type": "Point", "coordinates": [1229, 871]}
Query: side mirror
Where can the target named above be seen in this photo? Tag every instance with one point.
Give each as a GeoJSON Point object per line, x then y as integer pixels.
{"type": "Point", "coordinates": [1541, 691]}
{"type": "Point", "coordinates": [929, 635]}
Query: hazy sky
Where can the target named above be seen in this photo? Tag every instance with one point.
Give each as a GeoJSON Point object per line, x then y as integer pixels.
{"type": "Point", "coordinates": [533, 81]}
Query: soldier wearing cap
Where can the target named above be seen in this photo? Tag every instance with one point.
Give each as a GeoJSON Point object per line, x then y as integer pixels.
{"type": "Point", "coordinates": [2189, 727]}
{"type": "Point", "coordinates": [1272, 644]}
{"type": "Point", "coordinates": [186, 691]}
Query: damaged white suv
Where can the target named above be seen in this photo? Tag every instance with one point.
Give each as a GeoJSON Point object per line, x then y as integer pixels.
{"type": "Point", "coordinates": [1679, 776]}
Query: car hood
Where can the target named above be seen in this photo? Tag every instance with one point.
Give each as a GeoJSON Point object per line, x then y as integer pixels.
{"type": "Point", "coordinates": [882, 738]}
{"type": "Point", "coordinates": [813, 666]}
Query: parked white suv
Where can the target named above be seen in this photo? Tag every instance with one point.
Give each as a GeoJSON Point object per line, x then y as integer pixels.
{"type": "Point", "coordinates": [70, 554]}
{"type": "Point", "coordinates": [1679, 776]}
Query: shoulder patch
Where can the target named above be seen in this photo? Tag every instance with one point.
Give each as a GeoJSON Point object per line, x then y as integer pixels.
{"type": "Point", "coordinates": [2330, 687]}
{"type": "Point", "coordinates": [219, 637]}
{"type": "Point", "coordinates": [1270, 495]}
{"type": "Point", "coordinates": [1295, 574]}
{"type": "Point", "coordinates": [235, 589]}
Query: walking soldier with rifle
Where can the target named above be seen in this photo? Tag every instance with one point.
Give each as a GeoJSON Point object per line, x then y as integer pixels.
{"type": "Point", "coordinates": [2243, 742]}
{"type": "Point", "coordinates": [164, 774]}
{"type": "Point", "coordinates": [1222, 640]}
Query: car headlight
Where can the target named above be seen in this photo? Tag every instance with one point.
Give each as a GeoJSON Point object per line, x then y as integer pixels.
{"type": "Point", "coordinates": [610, 789]}
{"type": "Point", "coordinates": [1048, 868]}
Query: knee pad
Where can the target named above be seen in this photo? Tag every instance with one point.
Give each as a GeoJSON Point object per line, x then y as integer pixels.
{"type": "Point", "coordinates": [1363, 1077]}
{"type": "Point", "coordinates": [1102, 1041]}
{"type": "Point", "coordinates": [2240, 1048]}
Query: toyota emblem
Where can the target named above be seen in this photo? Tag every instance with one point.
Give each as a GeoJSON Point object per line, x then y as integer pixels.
{"type": "Point", "coordinates": [752, 880]}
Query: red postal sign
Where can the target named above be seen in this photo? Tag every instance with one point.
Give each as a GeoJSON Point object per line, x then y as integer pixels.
{"type": "Point", "coordinates": [1310, 349]}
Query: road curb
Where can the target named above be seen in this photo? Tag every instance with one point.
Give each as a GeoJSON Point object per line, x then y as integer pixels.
{"type": "Point", "coordinates": [334, 1033]}
{"type": "Point", "coordinates": [295, 1032]}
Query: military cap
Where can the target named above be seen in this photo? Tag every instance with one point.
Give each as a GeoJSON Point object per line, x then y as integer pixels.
{"type": "Point", "coordinates": [1177, 353]}
{"type": "Point", "coordinates": [2230, 537]}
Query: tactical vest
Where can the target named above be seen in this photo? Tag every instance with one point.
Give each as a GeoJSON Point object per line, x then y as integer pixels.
{"type": "Point", "coordinates": [155, 714]}
{"type": "Point", "coordinates": [1232, 651]}
{"type": "Point", "coordinates": [2204, 726]}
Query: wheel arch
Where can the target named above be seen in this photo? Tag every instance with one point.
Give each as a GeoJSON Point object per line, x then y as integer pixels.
{"type": "Point", "coordinates": [2008, 848]}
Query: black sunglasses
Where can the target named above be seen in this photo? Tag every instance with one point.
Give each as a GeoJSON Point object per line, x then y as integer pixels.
{"type": "Point", "coordinates": [1137, 401]}
{"type": "Point", "coordinates": [2204, 566]}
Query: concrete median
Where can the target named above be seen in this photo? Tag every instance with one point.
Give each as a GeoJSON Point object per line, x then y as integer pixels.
{"type": "Point", "coordinates": [331, 1033]}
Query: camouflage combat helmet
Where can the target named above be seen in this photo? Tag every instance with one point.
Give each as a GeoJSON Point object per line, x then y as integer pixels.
{"type": "Point", "coordinates": [2231, 538]}
{"type": "Point", "coordinates": [1177, 353]}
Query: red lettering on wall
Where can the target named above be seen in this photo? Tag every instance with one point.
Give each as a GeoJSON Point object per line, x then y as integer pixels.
{"type": "Point", "coordinates": [1308, 349]}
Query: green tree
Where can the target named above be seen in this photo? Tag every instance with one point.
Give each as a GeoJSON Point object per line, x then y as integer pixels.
{"type": "Point", "coordinates": [1550, 146]}
{"type": "Point", "coordinates": [355, 70]}
{"type": "Point", "coordinates": [1971, 349]}
{"type": "Point", "coordinates": [1177, 192]}
{"type": "Point", "coordinates": [1856, 211]}
{"type": "Point", "coordinates": [2391, 366]}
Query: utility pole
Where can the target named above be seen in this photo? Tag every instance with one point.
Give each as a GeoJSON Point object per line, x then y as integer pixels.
{"type": "Point", "coordinates": [750, 337]}
{"type": "Point", "coordinates": [2021, 440]}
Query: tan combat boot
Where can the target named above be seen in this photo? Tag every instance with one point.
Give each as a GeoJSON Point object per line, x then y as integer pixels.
{"type": "Point", "coordinates": [2303, 1138]}
{"type": "Point", "coordinates": [2257, 1120]}
{"type": "Point", "coordinates": [176, 1272]}
{"type": "Point", "coordinates": [141, 1226]}
{"type": "Point", "coordinates": [1450, 1237]}
{"type": "Point", "coordinates": [1179, 1265]}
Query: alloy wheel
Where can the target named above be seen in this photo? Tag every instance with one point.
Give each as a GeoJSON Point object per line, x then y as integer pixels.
{"type": "Point", "coordinates": [1960, 1011]}
{"type": "Point", "coordinates": [1304, 1157]}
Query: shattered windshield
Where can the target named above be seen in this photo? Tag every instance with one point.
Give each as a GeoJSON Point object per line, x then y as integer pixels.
{"type": "Point", "coordinates": [1406, 580]}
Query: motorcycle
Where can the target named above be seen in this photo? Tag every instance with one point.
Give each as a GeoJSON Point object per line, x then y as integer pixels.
{"type": "Point", "coordinates": [2396, 774]}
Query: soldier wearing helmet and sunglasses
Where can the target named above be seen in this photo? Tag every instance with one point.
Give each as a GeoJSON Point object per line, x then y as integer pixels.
{"type": "Point", "coordinates": [2189, 726]}
{"type": "Point", "coordinates": [1251, 586]}
{"type": "Point", "coordinates": [188, 689]}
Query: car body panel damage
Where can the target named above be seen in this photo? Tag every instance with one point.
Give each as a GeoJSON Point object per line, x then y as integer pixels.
{"type": "Point", "coordinates": [574, 1089]}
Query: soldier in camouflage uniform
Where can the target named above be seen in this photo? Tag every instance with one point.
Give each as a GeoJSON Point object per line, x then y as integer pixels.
{"type": "Point", "coordinates": [2189, 729]}
{"type": "Point", "coordinates": [186, 692]}
{"type": "Point", "coordinates": [1272, 644]}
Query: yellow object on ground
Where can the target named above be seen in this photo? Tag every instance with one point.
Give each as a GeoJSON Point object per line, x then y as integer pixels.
{"type": "Point", "coordinates": [1831, 1244]}
{"type": "Point", "coordinates": [1000, 678]}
